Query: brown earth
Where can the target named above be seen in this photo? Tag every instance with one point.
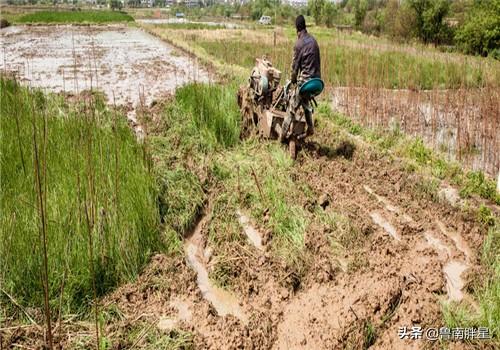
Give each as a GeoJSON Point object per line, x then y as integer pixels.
{"type": "Point", "coordinates": [391, 275]}
{"type": "Point", "coordinates": [383, 284]}
{"type": "Point", "coordinates": [394, 269]}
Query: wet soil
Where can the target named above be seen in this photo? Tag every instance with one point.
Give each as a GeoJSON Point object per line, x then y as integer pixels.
{"type": "Point", "coordinates": [411, 253]}
{"type": "Point", "coordinates": [131, 67]}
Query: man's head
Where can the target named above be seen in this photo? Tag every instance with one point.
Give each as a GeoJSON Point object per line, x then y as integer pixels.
{"type": "Point", "coordinates": [300, 23]}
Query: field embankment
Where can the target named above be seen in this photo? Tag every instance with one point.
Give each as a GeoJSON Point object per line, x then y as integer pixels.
{"type": "Point", "coordinates": [74, 17]}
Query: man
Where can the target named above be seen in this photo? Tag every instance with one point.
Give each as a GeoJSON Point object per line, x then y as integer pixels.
{"type": "Point", "coordinates": [306, 65]}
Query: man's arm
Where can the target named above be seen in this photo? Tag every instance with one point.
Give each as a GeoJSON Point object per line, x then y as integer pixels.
{"type": "Point", "coordinates": [295, 62]}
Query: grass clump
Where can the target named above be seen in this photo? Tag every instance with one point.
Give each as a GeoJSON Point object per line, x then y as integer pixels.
{"type": "Point", "coordinates": [75, 17]}
{"type": "Point", "coordinates": [486, 291]}
{"type": "Point", "coordinates": [181, 198]}
{"type": "Point", "coordinates": [476, 183]}
{"type": "Point", "coordinates": [80, 170]}
{"type": "Point", "coordinates": [213, 111]}
{"type": "Point", "coordinates": [257, 179]}
{"type": "Point", "coordinates": [201, 119]}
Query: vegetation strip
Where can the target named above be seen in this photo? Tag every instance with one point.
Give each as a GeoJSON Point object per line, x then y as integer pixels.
{"type": "Point", "coordinates": [86, 16]}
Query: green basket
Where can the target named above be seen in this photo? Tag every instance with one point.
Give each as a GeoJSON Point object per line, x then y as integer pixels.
{"type": "Point", "coordinates": [312, 87]}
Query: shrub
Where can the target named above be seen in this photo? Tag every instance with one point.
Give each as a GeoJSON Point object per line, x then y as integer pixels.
{"type": "Point", "coordinates": [480, 34]}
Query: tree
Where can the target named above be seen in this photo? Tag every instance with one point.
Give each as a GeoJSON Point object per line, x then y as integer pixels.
{"type": "Point", "coordinates": [480, 33]}
{"type": "Point", "coordinates": [435, 29]}
{"type": "Point", "coordinates": [259, 7]}
{"type": "Point", "coordinates": [328, 13]}
{"type": "Point", "coordinates": [429, 15]}
{"type": "Point", "coordinates": [360, 8]}
{"type": "Point", "coordinates": [315, 8]}
{"type": "Point", "coordinates": [115, 4]}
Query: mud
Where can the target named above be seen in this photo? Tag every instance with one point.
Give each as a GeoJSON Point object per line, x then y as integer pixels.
{"type": "Point", "coordinates": [224, 302]}
{"type": "Point", "coordinates": [453, 271]}
{"type": "Point", "coordinates": [132, 68]}
{"type": "Point", "coordinates": [253, 235]}
{"type": "Point", "coordinates": [386, 225]}
{"type": "Point", "coordinates": [375, 282]}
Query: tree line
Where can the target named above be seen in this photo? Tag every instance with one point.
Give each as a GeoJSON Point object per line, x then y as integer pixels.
{"type": "Point", "coordinates": [473, 26]}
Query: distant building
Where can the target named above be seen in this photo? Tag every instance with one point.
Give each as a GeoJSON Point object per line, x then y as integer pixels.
{"type": "Point", "coordinates": [191, 3]}
{"type": "Point", "coordinates": [296, 3]}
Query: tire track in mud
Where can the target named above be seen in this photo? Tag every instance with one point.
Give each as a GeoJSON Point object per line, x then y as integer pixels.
{"type": "Point", "coordinates": [223, 301]}
{"type": "Point", "coordinates": [416, 254]}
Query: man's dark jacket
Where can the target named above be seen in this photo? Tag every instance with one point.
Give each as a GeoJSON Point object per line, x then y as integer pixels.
{"type": "Point", "coordinates": [306, 62]}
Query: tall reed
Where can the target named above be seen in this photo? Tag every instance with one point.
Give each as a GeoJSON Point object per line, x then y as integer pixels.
{"type": "Point", "coordinates": [92, 190]}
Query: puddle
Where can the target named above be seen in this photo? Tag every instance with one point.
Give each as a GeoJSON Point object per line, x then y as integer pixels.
{"type": "Point", "coordinates": [387, 204]}
{"type": "Point", "coordinates": [460, 243]}
{"type": "Point", "coordinates": [224, 302]}
{"type": "Point", "coordinates": [182, 308]}
{"type": "Point", "coordinates": [437, 244]}
{"type": "Point", "coordinates": [386, 225]}
{"type": "Point", "coordinates": [454, 283]}
{"type": "Point", "coordinates": [253, 235]}
{"type": "Point", "coordinates": [452, 270]}
{"type": "Point", "coordinates": [167, 324]}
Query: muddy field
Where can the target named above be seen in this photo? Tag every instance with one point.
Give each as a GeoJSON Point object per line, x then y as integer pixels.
{"type": "Point", "coordinates": [410, 254]}
{"type": "Point", "coordinates": [130, 66]}
{"type": "Point", "coordinates": [404, 253]}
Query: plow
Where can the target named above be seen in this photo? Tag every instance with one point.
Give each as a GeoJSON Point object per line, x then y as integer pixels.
{"type": "Point", "coordinates": [264, 105]}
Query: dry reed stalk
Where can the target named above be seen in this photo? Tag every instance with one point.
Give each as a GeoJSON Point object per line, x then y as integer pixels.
{"type": "Point", "coordinates": [43, 224]}
{"type": "Point", "coordinates": [90, 207]}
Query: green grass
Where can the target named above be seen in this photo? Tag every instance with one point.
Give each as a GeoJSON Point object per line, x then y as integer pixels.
{"type": "Point", "coordinates": [192, 26]}
{"type": "Point", "coordinates": [486, 289]}
{"type": "Point", "coordinates": [197, 144]}
{"type": "Point", "coordinates": [94, 184]}
{"type": "Point", "coordinates": [202, 119]}
{"type": "Point", "coordinates": [213, 111]}
{"type": "Point", "coordinates": [273, 192]}
{"type": "Point", "coordinates": [75, 17]}
{"type": "Point", "coordinates": [348, 61]}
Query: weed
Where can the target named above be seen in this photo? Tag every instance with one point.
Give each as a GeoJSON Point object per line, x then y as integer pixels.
{"type": "Point", "coordinates": [370, 335]}
{"type": "Point", "coordinates": [485, 216]}
{"type": "Point", "coordinates": [180, 199]}
{"type": "Point", "coordinates": [476, 183]}
{"type": "Point", "coordinates": [417, 151]}
{"type": "Point", "coordinates": [213, 110]}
